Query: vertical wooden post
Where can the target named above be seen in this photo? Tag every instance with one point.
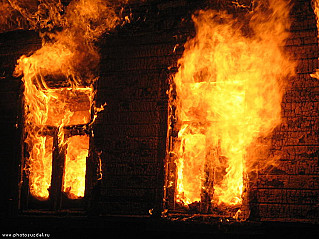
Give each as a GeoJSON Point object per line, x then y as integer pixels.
{"type": "Point", "coordinates": [207, 190]}
{"type": "Point", "coordinates": [58, 161]}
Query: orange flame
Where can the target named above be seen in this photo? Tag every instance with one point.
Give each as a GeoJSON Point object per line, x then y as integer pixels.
{"type": "Point", "coordinates": [69, 56]}
{"type": "Point", "coordinates": [50, 107]}
{"type": "Point", "coordinates": [229, 89]}
{"type": "Point", "coordinates": [41, 166]}
{"type": "Point", "coordinates": [75, 164]}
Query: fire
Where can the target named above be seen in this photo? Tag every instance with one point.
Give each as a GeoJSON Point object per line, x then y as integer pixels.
{"type": "Point", "coordinates": [68, 58]}
{"type": "Point", "coordinates": [229, 88]}
{"type": "Point", "coordinates": [75, 163]}
{"type": "Point", "coordinates": [48, 110]}
{"type": "Point", "coordinates": [41, 166]}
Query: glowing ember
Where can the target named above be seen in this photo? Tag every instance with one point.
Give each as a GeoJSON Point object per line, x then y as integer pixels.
{"type": "Point", "coordinates": [229, 89]}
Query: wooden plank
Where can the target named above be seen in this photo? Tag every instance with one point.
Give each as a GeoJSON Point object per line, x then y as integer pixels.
{"type": "Point", "coordinates": [300, 95]}
{"type": "Point", "coordinates": [132, 131]}
{"type": "Point", "coordinates": [288, 196]}
{"type": "Point", "coordinates": [305, 109]}
{"type": "Point", "coordinates": [137, 143]}
{"type": "Point", "coordinates": [137, 156]}
{"type": "Point", "coordinates": [128, 192]}
{"type": "Point", "coordinates": [130, 181]}
{"type": "Point", "coordinates": [147, 63]}
{"type": "Point", "coordinates": [58, 161]}
{"type": "Point", "coordinates": [139, 51]}
{"type": "Point", "coordinates": [145, 169]}
{"type": "Point", "coordinates": [284, 212]}
{"type": "Point", "coordinates": [297, 153]}
{"type": "Point", "coordinates": [123, 79]}
{"type": "Point", "coordinates": [296, 138]}
{"type": "Point", "coordinates": [303, 51]}
{"type": "Point", "coordinates": [124, 208]}
{"type": "Point", "coordinates": [138, 106]}
{"type": "Point", "coordinates": [288, 167]}
{"type": "Point", "coordinates": [302, 8]}
{"type": "Point", "coordinates": [288, 181]}
{"type": "Point", "coordinates": [134, 93]}
{"type": "Point", "coordinates": [303, 80]}
{"type": "Point", "coordinates": [132, 117]}
{"type": "Point", "coordinates": [302, 37]}
{"type": "Point", "coordinates": [307, 65]}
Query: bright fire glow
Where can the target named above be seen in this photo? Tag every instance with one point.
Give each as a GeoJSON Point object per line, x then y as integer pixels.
{"type": "Point", "coordinates": [41, 166]}
{"type": "Point", "coordinates": [75, 164]}
{"type": "Point", "coordinates": [55, 108]}
{"type": "Point", "coordinates": [67, 55]}
{"type": "Point", "coordinates": [229, 90]}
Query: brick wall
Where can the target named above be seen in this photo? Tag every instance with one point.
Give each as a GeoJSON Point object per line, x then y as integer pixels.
{"type": "Point", "coordinates": [12, 46]}
{"type": "Point", "coordinates": [290, 191]}
{"type": "Point", "coordinates": [136, 64]}
{"type": "Point", "coordinates": [134, 75]}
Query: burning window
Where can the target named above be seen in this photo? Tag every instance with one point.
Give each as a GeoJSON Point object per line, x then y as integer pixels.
{"type": "Point", "coordinates": [58, 97]}
{"type": "Point", "coordinates": [57, 140]}
{"type": "Point", "coordinates": [225, 103]}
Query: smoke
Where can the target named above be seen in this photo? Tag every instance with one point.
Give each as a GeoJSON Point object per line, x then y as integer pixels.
{"type": "Point", "coordinates": [29, 14]}
{"type": "Point", "coordinates": [68, 33]}
{"type": "Point", "coordinates": [10, 19]}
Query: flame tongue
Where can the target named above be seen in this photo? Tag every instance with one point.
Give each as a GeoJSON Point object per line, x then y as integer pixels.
{"type": "Point", "coordinates": [75, 165]}
{"type": "Point", "coordinates": [69, 55]}
{"type": "Point", "coordinates": [229, 90]}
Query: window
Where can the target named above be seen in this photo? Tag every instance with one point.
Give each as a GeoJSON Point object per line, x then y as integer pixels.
{"type": "Point", "coordinates": [56, 147]}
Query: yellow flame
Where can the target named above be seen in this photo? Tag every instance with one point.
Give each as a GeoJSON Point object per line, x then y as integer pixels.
{"type": "Point", "coordinates": [75, 166]}
{"type": "Point", "coordinates": [41, 166]}
{"type": "Point", "coordinates": [229, 90]}
{"type": "Point", "coordinates": [68, 55]}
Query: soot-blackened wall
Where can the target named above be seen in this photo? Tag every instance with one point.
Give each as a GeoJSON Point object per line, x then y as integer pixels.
{"type": "Point", "coordinates": [289, 191]}
{"type": "Point", "coordinates": [136, 65]}
{"type": "Point", "coordinates": [135, 68]}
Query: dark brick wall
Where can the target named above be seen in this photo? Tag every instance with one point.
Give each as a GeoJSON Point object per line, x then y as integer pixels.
{"type": "Point", "coordinates": [134, 75]}
{"type": "Point", "coordinates": [136, 64]}
{"type": "Point", "coordinates": [12, 46]}
{"type": "Point", "coordinates": [290, 191]}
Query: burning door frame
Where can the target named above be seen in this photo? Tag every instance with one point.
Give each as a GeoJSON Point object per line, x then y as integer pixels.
{"type": "Point", "coordinates": [57, 147]}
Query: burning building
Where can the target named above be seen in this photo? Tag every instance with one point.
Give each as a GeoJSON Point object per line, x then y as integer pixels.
{"type": "Point", "coordinates": [196, 111]}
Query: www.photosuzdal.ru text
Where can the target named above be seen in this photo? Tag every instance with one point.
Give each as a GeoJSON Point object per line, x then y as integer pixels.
{"type": "Point", "coordinates": [25, 235]}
